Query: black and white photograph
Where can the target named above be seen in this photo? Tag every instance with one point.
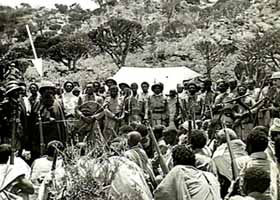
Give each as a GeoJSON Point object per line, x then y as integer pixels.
{"type": "Point", "coordinates": [139, 99]}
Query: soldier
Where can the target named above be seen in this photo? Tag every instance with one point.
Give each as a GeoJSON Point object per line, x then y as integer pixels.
{"type": "Point", "coordinates": [15, 117]}
{"type": "Point", "coordinates": [96, 86]}
{"type": "Point", "coordinates": [158, 107]}
{"type": "Point", "coordinates": [254, 92]}
{"type": "Point", "coordinates": [110, 82]}
{"type": "Point", "coordinates": [48, 121]}
{"type": "Point", "coordinates": [89, 95]}
{"type": "Point", "coordinates": [122, 87]}
{"type": "Point", "coordinates": [76, 91]}
{"type": "Point", "coordinates": [180, 89]}
{"type": "Point", "coordinates": [232, 83]}
{"type": "Point", "coordinates": [144, 95]}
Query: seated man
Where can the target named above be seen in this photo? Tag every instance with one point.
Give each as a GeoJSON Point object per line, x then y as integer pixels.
{"type": "Point", "coordinates": [13, 181]}
{"type": "Point", "coordinates": [256, 182]}
{"type": "Point", "coordinates": [202, 152]}
{"type": "Point", "coordinates": [185, 182]}
{"type": "Point", "coordinates": [139, 156]}
{"type": "Point", "coordinates": [257, 142]}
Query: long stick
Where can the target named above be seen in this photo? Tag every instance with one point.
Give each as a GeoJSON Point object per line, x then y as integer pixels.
{"type": "Point", "coordinates": [42, 144]}
{"type": "Point", "coordinates": [233, 161]}
{"type": "Point", "coordinates": [14, 129]}
{"type": "Point", "coordinates": [31, 42]}
{"type": "Point", "coordinates": [163, 165]}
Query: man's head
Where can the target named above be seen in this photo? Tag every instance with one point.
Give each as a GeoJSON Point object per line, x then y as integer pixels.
{"type": "Point", "coordinates": [33, 88]}
{"type": "Point", "coordinates": [125, 129]}
{"type": "Point", "coordinates": [110, 82]}
{"type": "Point", "coordinates": [183, 155]}
{"type": "Point", "coordinates": [232, 83]}
{"type": "Point", "coordinates": [170, 135]}
{"type": "Point", "coordinates": [5, 152]}
{"type": "Point", "coordinates": [276, 79]}
{"type": "Point", "coordinates": [68, 86]}
{"type": "Point", "coordinates": [102, 89]}
{"type": "Point", "coordinates": [89, 88]}
{"type": "Point", "coordinates": [134, 88]}
{"type": "Point", "coordinates": [241, 90]}
{"type": "Point", "coordinates": [257, 141]}
{"type": "Point", "coordinates": [157, 88]}
{"type": "Point", "coordinates": [114, 90]}
{"type": "Point", "coordinates": [47, 91]}
{"type": "Point", "coordinates": [76, 91]}
{"type": "Point", "coordinates": [145, 87]}
{"type": "Point", "coordinates": [133, 138]}
{"type": "Point", "coordinates": [250, 84]}
{"type": "Point", "coordinates": [274, 130]}
{"type": "Point", "coordinates": [221, 135]}
{"type": "Point", "coordinates": [180, 88]}
{"type": "Point", "coordinates": [96, 86]}
{"type": "Point", "coordinates": [222, 86]}
{"type": "Point", "coordinates": [198, 139]}
{"type": "Point", "coordinates": [192, 88]}
{"type": "Point", "coordinates": [172, 94]}
{"type": "Point", "coordinates": [256, 179]}
{"type": "Point", "coordinates": [207, 85]}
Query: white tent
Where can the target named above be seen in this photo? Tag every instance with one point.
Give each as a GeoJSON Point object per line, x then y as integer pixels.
{"type": "Point", "coordinates": [169, 76]}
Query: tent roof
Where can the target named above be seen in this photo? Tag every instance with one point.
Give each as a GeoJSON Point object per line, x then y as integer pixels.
{"type": "Point", "coordinates": [169, 76]}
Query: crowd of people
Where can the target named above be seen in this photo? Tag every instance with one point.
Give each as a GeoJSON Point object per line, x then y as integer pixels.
{"type": "Point", "coordinates": [203, 140]}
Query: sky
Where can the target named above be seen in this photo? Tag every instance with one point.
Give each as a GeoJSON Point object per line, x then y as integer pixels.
{"type": "Point", "coordinates": [85, 4]}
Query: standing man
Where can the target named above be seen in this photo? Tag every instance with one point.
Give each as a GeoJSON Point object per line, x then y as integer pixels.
{"type": "Point", "coordinates": [34, 97]}
{"type": "Point", "coordinates": [69, 101]}
{"type": "Point", "coordinates": [113, 111]}
{"type": "Point", "coordinates": [158, 107]}
{"type": "Point", "coordinates": [134, 105]}
{"type": "Point", "coordinates": [47, 113]}
{"type": "Point", "coordinates": [207, 97]}
{"type": "Point", "coordinates": [173, 107]}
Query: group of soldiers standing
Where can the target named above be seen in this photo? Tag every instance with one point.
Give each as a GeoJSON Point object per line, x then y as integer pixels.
{"type": "Point", "coordinates": [193, 113]}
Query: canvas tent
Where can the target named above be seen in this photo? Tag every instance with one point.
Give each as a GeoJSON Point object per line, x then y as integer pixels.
{"type": "Point", "coordinates": [170, 76]}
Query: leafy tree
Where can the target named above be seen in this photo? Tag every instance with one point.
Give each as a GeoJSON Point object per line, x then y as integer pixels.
{"type": "Point", "coordinates": [61, 8]}
{"type": "Point", "coordinates": [211, 52]}
{"type": "Point", "coordinates": [260, 52]}
{"type": "Point", "coordinates": [68, 49]}
{"type": "Point", "coordinates": [117, 37]}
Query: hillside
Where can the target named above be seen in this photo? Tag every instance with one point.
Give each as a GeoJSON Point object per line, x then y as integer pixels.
{"type": "Point", "coordinates": [211, 37]}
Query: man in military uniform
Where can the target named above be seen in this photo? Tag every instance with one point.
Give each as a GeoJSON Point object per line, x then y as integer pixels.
{"type": "Point", "coordinates": [158, 107]}
{"type": "Point", "coordinates": [173, 107]}
{"type": "Point", "coordinates": [47, 114]}
{"type": "Point", "coordinates": [34, 97]}
{"type": "Point", "coordinates": [192, 104]}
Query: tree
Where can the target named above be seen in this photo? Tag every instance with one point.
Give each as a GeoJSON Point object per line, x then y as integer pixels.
{"type": "Point", "coordinates": [212, 53]}
{"type": "Point", "coordinates": [68, 49]}
{"type": "Point", "coordinates": [117, 38]}
{"type": "Point", "coordinates": [61, 8]}
{"type": "Point", "coordinates": [260, 52]}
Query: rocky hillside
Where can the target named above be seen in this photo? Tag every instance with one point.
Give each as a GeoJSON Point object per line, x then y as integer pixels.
{"type": "Point", "coordinates": [210, 37]}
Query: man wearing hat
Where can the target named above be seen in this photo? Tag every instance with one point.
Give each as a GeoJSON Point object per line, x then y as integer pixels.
{"type": "Point", "coordinates": [122, 87]}
{"type": "Point", "coordinates": [47, 113]}
{"type": "Point", "coordinates": [110, 81]}
{"type": "Point", "coordinates": [157, 107]}
{"type": "Point", "coordinates": [34, 94]}
{"type": "Point", "coordinates": [14, 114]}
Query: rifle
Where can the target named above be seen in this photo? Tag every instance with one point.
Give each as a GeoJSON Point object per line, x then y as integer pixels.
{"type": "Point", "coordinates": [42, 144]}
{"type": "Point", "coordinates": [162, 163]}
{"type": "Point", "coordinates": [262, 86]}
{"type": "Point", "coordinates": [14, 130]}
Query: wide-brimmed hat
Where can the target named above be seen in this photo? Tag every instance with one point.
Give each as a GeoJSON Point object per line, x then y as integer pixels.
{"type": "Point", "coordinates": [111, 79]}
{"type": "Point", "coordinates": [11, 88]}
{"type": "Point", "coordinates": [124, 85]}
{"type": "Point", "coordinates": [46, 85]}
{"type": "Point", "coordinates": [192, 83]}
{"type": "Point", "coordinates": [157, 85]}
{"type": "Point", "coordinates": [275, 75]}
